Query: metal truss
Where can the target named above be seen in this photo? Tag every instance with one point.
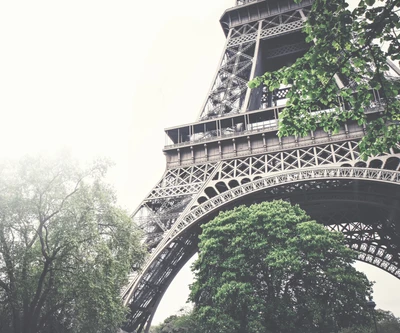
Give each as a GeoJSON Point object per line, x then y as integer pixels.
{"type": "Point", "coordinates": [242, 2]}
{"type": "Point", "coordinates": [287, 160]}
{"type": "Point", "coordinates": [287, 49]}
{"type": "Point", "coordinates": [228, 92]}
{"type": "Point", "coordinates": [243, 34]}
{"type": "Point", "coordinates": [172, 194]}
{"type": "Point", "coordinates": [283, 24]}
{"type": "Point", "coordinates": [168, 199]}
{"type": "Point", "coordinates": [230, 85]}
{"type": "Point", "coordinates": [270, 27]}
{"type": "Point", "coordinates": [368, 223]}
{"type": "Point", "coordinates": [181, 181]}
{"type": "Point", "coordinates": [323, 174]}
{"type": "Point", "coordinates": [287, 177]}
{"type": "Point", "coordinates": [378, 243]}
{"type": "Point", "coordinates": [185, 197]}
{"type": "Point", "coordinates": [371, 243]}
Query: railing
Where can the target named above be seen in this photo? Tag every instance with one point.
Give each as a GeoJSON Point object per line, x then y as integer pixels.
{"type": "Point", "coordinates": [254, 128]}
{"type": "Point", "coordinates": [246, 152]}
{"type": "Point", "coordinates": [243, 2]}
{"type": "Point", "coordinates": [273, 125]}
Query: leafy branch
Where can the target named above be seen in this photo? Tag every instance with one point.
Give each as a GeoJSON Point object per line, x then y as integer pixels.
{"type": "Point", "coordinates": [316, 99]}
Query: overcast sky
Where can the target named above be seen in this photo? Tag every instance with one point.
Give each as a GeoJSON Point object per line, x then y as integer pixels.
{"type": "Point", "coordinates": [104, 78]}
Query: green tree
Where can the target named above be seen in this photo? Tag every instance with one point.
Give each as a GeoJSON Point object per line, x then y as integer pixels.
{"type": "Point", "coordinates": [65, 248]}
{"type": "Point", "coordinates": [343, 73]}
{"type": "Point", "coordinates": [182, 323]}
{"type": "Point", "coordinates": [269, 268]}
{"type": "Point", "coordinates": [386, 323]}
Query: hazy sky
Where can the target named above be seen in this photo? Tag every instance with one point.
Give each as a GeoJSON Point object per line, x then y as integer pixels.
{"type": "Point", "coordinates": [104, 78]}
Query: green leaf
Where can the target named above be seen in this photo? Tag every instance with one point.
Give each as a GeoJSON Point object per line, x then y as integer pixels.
{"type": "Point", "coordinates": [274, 248]}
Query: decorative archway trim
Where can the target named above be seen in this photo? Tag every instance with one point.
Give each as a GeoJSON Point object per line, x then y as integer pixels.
{"type": "Point", "coordinates": [278, 179]}
{"type": "Point", "coordinates": [273, 180]}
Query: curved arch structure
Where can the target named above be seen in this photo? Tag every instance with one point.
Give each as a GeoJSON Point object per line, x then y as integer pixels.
{"type": "Point", "coordinates": [362, 203]}
{"type": "Point", "coordinates": [232, 155]}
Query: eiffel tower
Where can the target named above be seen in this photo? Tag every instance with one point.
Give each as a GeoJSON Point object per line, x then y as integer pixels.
{"type": "Point", "coordinates": [232, 155]}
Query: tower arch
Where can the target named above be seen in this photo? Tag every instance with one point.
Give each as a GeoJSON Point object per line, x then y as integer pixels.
{"type": "Point", "coordinates": [232, 155]}
{"type": "Point", "coordinates": [369, 218]}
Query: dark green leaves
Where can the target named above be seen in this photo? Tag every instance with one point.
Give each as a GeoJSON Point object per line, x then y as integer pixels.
{"type": "Point", "coordinates": [269, 268]}
{"type": "Point", "coordinates": [344, 61]}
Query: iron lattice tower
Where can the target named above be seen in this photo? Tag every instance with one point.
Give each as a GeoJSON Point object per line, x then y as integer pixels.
{"type": "Point", "coordinates": [231, 155]}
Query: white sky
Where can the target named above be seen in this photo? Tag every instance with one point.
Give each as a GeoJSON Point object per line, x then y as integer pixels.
{"type": "Point", "coordinates": [104, 78]}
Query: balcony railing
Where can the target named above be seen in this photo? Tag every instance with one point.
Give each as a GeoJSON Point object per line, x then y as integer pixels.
{"type": "Point", "coordinates": [242, 2]}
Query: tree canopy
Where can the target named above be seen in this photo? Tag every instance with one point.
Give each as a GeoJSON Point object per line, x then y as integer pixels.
{"type": "Point", "coordinates": [344, 73]}
{"type": "Point", "coordinates": [185, 322]}
{"type": "Point", "coordinates": [386, 323]}
{"type": "Point", "coordinates": [270, 268]}
{"type": "Point", "coordinates": [65, 248]}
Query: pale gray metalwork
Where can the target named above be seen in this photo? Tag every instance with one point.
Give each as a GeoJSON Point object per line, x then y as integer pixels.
{"type": "Point", "coordinates": [281, 178]}
{"type": "Point", "coordinates": [228, 92]}
{"type": "Point", "coordinates": [242, 2]}
{"type": "Point", "coordinates": [313, 177]}
{"type": "Point", "coordinates": [232, 155]}
{"type": "Point", "coordinates": [287, 49]}
{"type": "Point", "coordinates": [168, 198]}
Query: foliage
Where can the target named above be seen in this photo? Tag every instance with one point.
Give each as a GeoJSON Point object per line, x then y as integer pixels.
{"type": "Point", "coordinates": [350, 46]}
{"type": "Point", "coordinates": [183, 323]}
{"type": "Point", "coordinates": [269, 268]}
{"type": "Point", "coordinates": [187, 322]}
{"type": "Point", "coordinates": [386, 323]}
{"type": "Point", "coordinates": [65, 248]}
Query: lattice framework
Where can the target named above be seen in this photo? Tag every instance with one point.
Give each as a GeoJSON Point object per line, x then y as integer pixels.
{"type": "Point", "coordinates": [286, 177]}
{"type": "Point", "coordinates": [229, 89]}
{"type": "Point", "coordinates": [314, 174]}
{"type": "Point", "coordinates": [362, 237]}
